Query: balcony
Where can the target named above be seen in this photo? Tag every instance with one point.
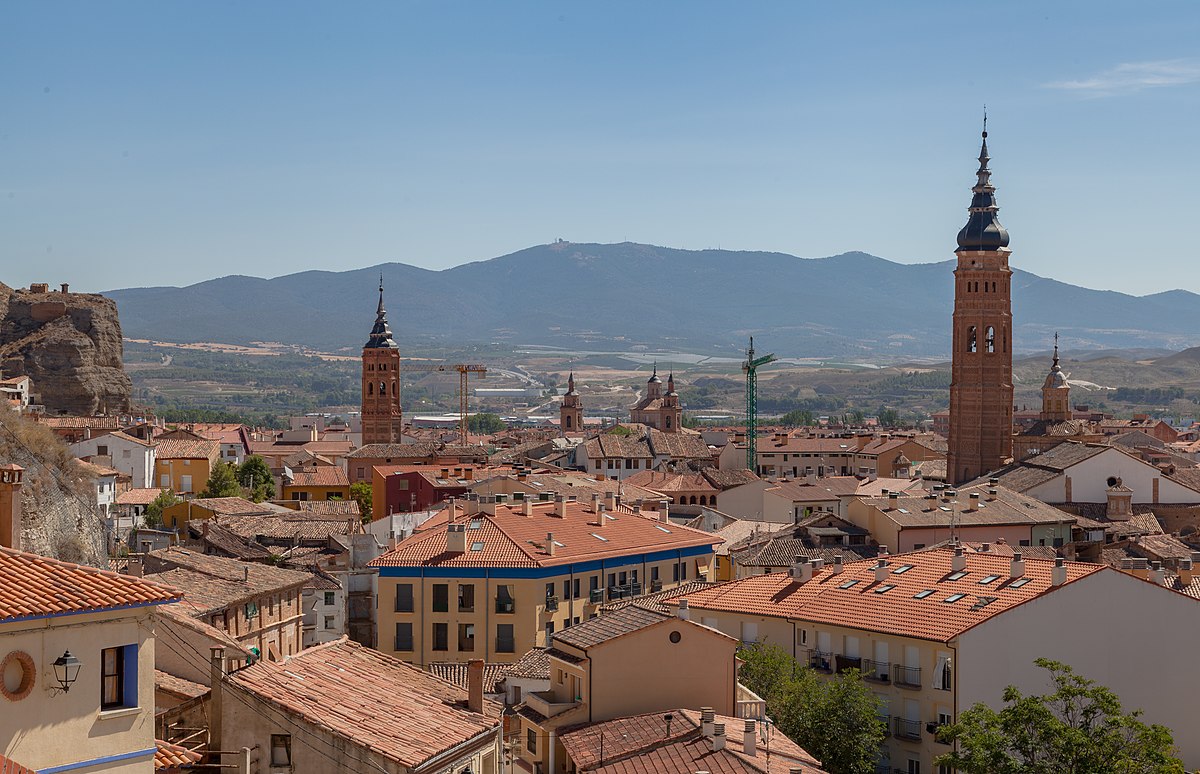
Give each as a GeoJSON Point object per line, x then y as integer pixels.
{"type": "Point", "coordinates": [820, 661]}
{"type": "Point", "coordinates": [655, 586]}
{"type": "Point", "coordinates": [906, 676]}
{"type": "Point", "coordinates": [596, 597]}
{"type": "Point", "coordinates": [551, 604]}
{"type": "Point", "coordinates": [886, 721]}
{"type": "Point", "coordinates": [878, 671]}
{"type": "Point", "coordinates": [544, 703]}
{"type": "Point", "coordinates": [624, 591]}
{"type": "Point", "coordinates": [845, 663]}
{"type": "Point", "coordinates": [750, 706]}
{"type": "Point", "coordinates": [903, 728]}
{"type": "Point", "coordinates": [505, 606]}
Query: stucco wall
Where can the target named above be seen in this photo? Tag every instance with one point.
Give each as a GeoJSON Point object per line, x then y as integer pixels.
{"type": "Point", "coordinates": [1089, 480]}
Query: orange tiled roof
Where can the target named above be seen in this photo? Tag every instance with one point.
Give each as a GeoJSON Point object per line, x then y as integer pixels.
{"type": "Point", "coordinates": [173, 756]}
{"type": "Point", "coordinates": [214, 582]}
{"type": "Point", "coordinates": [33, 586]}
{"type": "Point", "coordinates": [895, 611]}
{"type": "Point", "coordinates": [8, 766]}
{"type": "Point", "coordinates": [321, 475]}
{"type": "Point", "coordinates": [138, 496]}
{"type": "Point", "coordinates": [231, 506]}
{"type": "Point", "coordinates": [511, 539]}
{"type": "Point", "coordinates": [372, 700]}
{"type": "Point", "coordinates": [665, 482]}
{"type": "Point", "coordinates": [186, 449]}
{"type": "Point", "coordinates": [178, 686]}
{"type": "Point", "coordinates": [96, 423]}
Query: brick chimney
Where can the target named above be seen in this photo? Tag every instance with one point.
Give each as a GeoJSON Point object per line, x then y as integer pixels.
{"type": "Point", "coordinates": [707, 717]}
{"type": "Point", "coordinates": [10, 505]}
{"type": "Point", "coordinates": [1058, 575]}
{"type": "Point", "coordinates": [475, 685]}
{"type": "Point", "coordinates": [683, 613]}
{"type": "Point", "coordinates": [216, 673]}
{"type": "Point", "coordinates": [750, 739]}
{"type": "Point", "coordinates": [718, 737]}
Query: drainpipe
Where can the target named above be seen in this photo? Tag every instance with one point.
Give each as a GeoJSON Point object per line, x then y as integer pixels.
{"type": "Point", "coordinates": [550, 745]}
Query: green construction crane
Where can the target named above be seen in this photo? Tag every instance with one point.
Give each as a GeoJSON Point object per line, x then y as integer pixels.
{"type": "Point", "coordinates": [750, 368]}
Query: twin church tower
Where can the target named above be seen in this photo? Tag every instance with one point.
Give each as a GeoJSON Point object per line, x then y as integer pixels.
{"type": "Point", "coordinates": [981, 383]}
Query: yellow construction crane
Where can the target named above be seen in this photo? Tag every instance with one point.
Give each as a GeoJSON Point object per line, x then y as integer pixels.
{"type": "Point", "coordinates": [463, 386]}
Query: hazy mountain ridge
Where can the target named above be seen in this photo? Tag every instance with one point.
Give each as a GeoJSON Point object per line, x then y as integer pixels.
{"type": "Point", "coordinates": [591, 295]}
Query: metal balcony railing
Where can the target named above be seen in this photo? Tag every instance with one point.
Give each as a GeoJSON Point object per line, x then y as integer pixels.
{"type": "Point", "coordinates": [886, 720]}
{"type": "Point", "coordinates": [906, 676]}
{"type": "Point", "coordinates": [505, 606]}
{"type": "Point", "coordinates": [655, 586]}
{"type": "Point", "coordinates": [551, 604]}
{"type": "Point", "coordinates": [820, 661]}
{"type": "Point", "coordinates": [879, 671]}
{"type": "Point", "coordinates": [904, 728]}
{"type": "Point", "coordinates": [624, 591]}
{"type": "Point", "coordinates": [844, 663]}
{"type": "Point", "coordinates": [596, 596]}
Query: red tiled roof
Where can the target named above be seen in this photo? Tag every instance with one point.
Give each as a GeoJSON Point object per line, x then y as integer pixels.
{"type": "Point", "coordinates": [178, 686]}
{"type": "Point", "coordinates": [173, 756]}
{"type": "Point", "coordinates": [895, 611]}
{"type": "Point", "coordinates": [511, 539]}
{"type": "Point", "coordinates": [12, 767]}
{"type": "Point", "coordinates": [321, 475]}
{"type": "Point", "coordinates": [186, 449]}
{"type": "Point", "coordinates": [34, 586]}
{"type": "Point", "coordinates": [662, 481]}
{"type": "Point", "coordinates": [214, 582]}
{"type": "Point", "coordinates": [372, 700]}
{"type": "Point", "coordinates": [231, 506]}
{"type": "Point", "coordinates": [138, 496]}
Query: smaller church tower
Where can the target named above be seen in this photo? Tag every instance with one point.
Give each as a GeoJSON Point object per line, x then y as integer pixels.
{"type": "Point", "coordinates": [672, 412]}
{"type": "Point", "coordinates": [570, 414]}
{"type": "Point", "coordinates": [382, 420]}
{"type": "Point", "coordinates": [1056, 392]}
{"type": "Point", "coordinates": [654, 385]}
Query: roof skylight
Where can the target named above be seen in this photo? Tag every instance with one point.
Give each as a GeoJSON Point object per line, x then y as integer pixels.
{"type": "Point", "coordinates": [848, 584]}
{"type": "Point", "coordinates": [953, 598]}
{"type": "Point", "coordinates": [923, 594]}
{"type": "Point", "coordinates": [957, 575]}
{"type": "Point", "coordinates": [662, 528]}
{"type": "Point", "coordinates": [598, 537]}
{"type": "Point", "coordinates": [477, 546]}
{"type": "Point", "coordinates": [475, 524]}
{"type": "Point", "coordinates": [885, 588]}
{"type": "Point", "coordinates": [985, 580]}
{"type": "Point", "coordinates": [902, 569]}
{"type": "Point", "coordinates": [1019, 582]}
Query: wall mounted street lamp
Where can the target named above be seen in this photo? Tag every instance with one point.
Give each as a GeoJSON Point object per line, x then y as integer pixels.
{"type": "Point", "coordinates": [66, 670]}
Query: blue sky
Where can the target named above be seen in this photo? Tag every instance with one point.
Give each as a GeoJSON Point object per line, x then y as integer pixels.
{"type": "Point", "coordinates": [147, 143]}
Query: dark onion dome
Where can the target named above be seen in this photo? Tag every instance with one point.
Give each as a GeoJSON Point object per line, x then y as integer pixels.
{"type": "Point", "coordinates": [1056, 378]}
{"type": "Point", "coordinates": [983, 231]}
{"type": "Point", "coordinates": [381, 334]}
{"type": "Point", "coordinates": [654, 376]}
{"type": "Point", "coordinates": [571, 384]}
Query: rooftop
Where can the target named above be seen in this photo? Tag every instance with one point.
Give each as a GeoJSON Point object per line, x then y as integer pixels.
{"type": "Point", "coordinates": [369, 699]}
{"type": "Point", "coordinates": [214, 583]}
{"type": "Point", "coordinates": [534, 665]}
{"type": "Point", "coordinates": [33, 586]}
{"type": "Point", "coordinates": [321, 475]}
{"type": "Point", "coordinates": [609, 626]}
{"type": "Point", "coordinates": [1005, 507]}
{"type": "Point", "coordinates": [186, 448]}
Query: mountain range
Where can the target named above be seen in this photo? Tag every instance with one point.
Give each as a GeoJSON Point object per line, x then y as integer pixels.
{"type": "Point", "coordinates": [613, 297]}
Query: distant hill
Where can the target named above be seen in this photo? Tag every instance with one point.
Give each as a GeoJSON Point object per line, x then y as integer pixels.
{"type": "Point", "coordinates": [611, 297]}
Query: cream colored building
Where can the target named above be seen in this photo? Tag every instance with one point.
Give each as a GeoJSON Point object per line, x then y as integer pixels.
{"type": "Point", "coordinates": [502, 578]}
{"type": "Point", "coordinates": [627, 662]}
{"type": "Point", "coordinates": [936, 631]}
{"type": "Point", "coordinates": [103, 721]}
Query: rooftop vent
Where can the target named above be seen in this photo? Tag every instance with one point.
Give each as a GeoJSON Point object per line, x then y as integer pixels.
{"type": "Point", "coordinates": [1016, 568]}
{"type": "Point", "coordinates": [881, 571]}
{"type": "Point", "coordinates": [1058, 575]}
{"type": "Point", "coordinates": [958, 562]}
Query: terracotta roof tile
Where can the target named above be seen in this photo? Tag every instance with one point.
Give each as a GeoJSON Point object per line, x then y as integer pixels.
{"type": "Point", "coordinates": [186, 448]}
{"type": "Point", "coordinates": [138, 496]}
{"type": "Point", "coordinates": [369, 699]}
{"type": "Point", "coordinates": [321, 475]}
{"type": "Point", "coordinates": [178, 686]}
{"type": "Point", "coordinates": [33, 586]}
{"type": "Point", "coordinates": [456, 673]}
{"type": "Point", "coordinates": [230, 506]}
{"type": "Point", "coordinates": [852, 598]}
{"type": "Point", "coordinates": [213, 583]}
{"type": "Point", "coordinates": [609, 626]}
{"type": "Point", "coordinates": [534, 665]}
{"type": "Point", "coordinates": [12, 767]}
{"type": "Point", "coordinates": [173, 756]}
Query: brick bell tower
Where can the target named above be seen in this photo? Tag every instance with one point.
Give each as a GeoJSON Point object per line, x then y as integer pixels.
{"type": "Point", "coordinates": [570, 414]}
{"type": "Point", "coordinates": [981, 385]}
{"type": "Point", "coordinates": [382, 420]}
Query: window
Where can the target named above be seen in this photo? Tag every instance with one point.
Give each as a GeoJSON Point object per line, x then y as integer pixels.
{"type": "Point", "coordinates": [549, 590]}
{"type": "Point", "coordinates": [885, 588]}
{"type": "Point", "coordinates": [281, 750]}
{"type": "Point", "coordinates": [953, 598]}
{"type": "Point", "coordinates": [612, 579]}
{"type": "Point", "coordinates": [251, 610]}
{"type": "Point", "coordinates": [654, 573]}
{"type": "Point", "coordinates": [440, 636]}
{"type": "Point", "coordinates": [683, 571]}
{"type": "Point", "coordinates": [914, 767]}
{"type": "Point", "coordinates": [956, 575]}
{"type": "Point", "coordinates": [575, 588]}
{"type": "Point", "coordinates": [504, 638]}
{"type": "Point", "coordinates": [477, 545]}
{"type": "Point", "coordinates": [441, 598]}
{"type": "Point", "coordinates": [593, 583]}
{"type": "Point", "coordinates": [102, 451]}
{"type": "Point", "coordinates": [971, 342]}
{"type": "Point", "coordinates": [566, 589]}
{"type": "Point", "coordinates": [985, 580]}
{"type": "Point", "coordinates": [531, 741]}
{"type": "Point", "coordinates": [504, 599]}
{"type": "Point", "coordinates": [404, 598]}
{"type": "Point", "coordinates": [466, 638]}
{"type": "Point", "coordinates": [848, 584]}
{"type": "Point", "coordinates": [990, 341]}
{"type": "Point", "coordinates": [328, 622]}
{"type": "Point", "coordinates": [112, 678]}
{"type": "Point", "coordinates": [329, 595]}
{"type": "Point", "coordinates": [549, 631]}
{"type": "Point", "coordinates": [923, 594]}
{"type": "Point", "coordinates": [902, 568]}
{"type": "Point", "coordinates": [1018, 583]}
{"type": "Point", "coordinates": [466, 597]}
{"type": "Point", "coordinates": [404, 636]}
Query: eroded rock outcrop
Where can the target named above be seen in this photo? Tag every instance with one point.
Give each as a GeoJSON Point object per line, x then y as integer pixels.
{"type": "Point", "coordinates": [69, 344]}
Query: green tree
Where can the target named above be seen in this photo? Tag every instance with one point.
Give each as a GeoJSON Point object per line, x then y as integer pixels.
{"type": "Point", "coordinates": [797, 418]}
{"type": "Point", "coordinates": [255, 477]}
{"type": "Point", "coordinates": [1080, 728]}
{"type": "Point", "coordinates": [486, 424]}
{"type": "Point", "coordinates": [362, 493]}
{"type": "Point", "coordinates": [834, 718]}
{"type": "Point", "coordinates": [222, 482]}
{"type": "Point", "coordinates": [152, 518]}
{"type": "Point", "coordinates": [888, 417]}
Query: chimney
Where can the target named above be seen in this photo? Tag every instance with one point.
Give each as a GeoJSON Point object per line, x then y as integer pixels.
{"type": "Point", "coordinates": [883, 551]}
{"type": "Point", "coordinates": [664, 511]}
{"type": "Point", "coordinates": [66, 288]}
{"type": "Point", "coordinates": [456, 539]}
{"type": "Point", "coordinates": [600, 520]}
{"type": "Point", "coordinates": [684, 613]}
{"type": "Point", "coordinates": [1058, 575]}
{"type": "Point", "coordinates": [216, 673]}
{"type": "Point", "coordinates": [750, 739]}
{"type": "Point", "coordinates": [1185, 572]}
{"type": "Point", "coordinates": [718, 737]}
{"type": "Point", "coordinates": [1157, 574]}
{"type": "Point", "coordinates": [802, 570]}
{"type": "Point", "coordinates": [527, 507]}
{"type": "Point", "coordinates": [560, 506]}
{"type": "Point", "coordinates": [1140, 568]}
{"type": "Point", "coordinates": [991, 494]}
{"type": "Point", "coordinates": [707, 718]}
{"type": "Point", "coordinates": [472, 506]}
{"type": "Point", "coordinates": [10, 506]}
{"type": "Point", "coordinates": [475, 685]}
{"type": "Point", "coordinates": [974, 504]}
{"type": "Point", "coordinates": [245, 573]}
{"type": "Point", "coordinates": [610, 501]}
{"type": "Point", "coordinates": [881, 571]}
{"type": "Point", "coordinates": [837, 564]}
{"type": "Point", "coordinates": [550, 543]}
{"type": "Point", "coordinates": [985, 548]}
{"type": "Point", "coordinates": [1017, 568]}
{"type": "Point", "coordinates": [958, 562]}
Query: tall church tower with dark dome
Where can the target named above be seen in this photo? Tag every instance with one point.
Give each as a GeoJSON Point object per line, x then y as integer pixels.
{"type": "Point", "coordinates": [981, 382]}
{"type": "Point", "coordinates": [382, 420]}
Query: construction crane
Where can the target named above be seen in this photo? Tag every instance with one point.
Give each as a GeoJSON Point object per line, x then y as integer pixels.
{"type": "Point", "coordinates": [750, 368]}
{"type": "Point", "coordinates": [464, 369]}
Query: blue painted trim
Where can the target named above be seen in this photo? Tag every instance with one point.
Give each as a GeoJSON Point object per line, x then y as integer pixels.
{"type": "Point", "coordinates": [97, 761]}
{"type": "Point", "coordinates": [129, 687]}
{"type": "Point", "coordinates": [40, 616]}
{"type": "Point", "coordinates": [534, 573]}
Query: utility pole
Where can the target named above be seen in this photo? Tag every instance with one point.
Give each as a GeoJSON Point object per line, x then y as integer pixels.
{"type": "Point", "coordinates": [750, 368]}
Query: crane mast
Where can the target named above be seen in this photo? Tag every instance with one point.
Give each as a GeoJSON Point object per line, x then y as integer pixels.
{"type": "Point", "coordinates": [750, 368]}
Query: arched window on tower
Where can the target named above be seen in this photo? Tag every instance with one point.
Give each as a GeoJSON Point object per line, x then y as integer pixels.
{"type": "Point", "coordinates": [991, 340]}
{"type": "Point", "coordinates": [370, 388]}
{"type": "Point", "coordinates": [1004, 339]}
{"type": "Point", "coordinates": [971, 342]}
{"type": "Point", "coordinates": [567, 424]}
{"type": "Point", "coordinates": [383, 388]}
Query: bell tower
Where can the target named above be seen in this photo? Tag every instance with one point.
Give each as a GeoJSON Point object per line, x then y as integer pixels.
{"type": "Point", "coordinates": [570, 414]}
{"type": "Point", "coordinates": [382, 420]}
{"type": "Point", "coordinates": [981, 385]}
{"type": "Point", "coordinates": [1056, 392]}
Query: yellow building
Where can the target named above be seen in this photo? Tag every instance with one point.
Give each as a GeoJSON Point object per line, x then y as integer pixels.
{"type": "Point", "coordinates": [183, 462]}
{"type": "Point", "coordinates": [627, 662]}
{"type": "Point", "coordinates": [499, 579]}
{"type": "Point", "coordinates": [77, 666]}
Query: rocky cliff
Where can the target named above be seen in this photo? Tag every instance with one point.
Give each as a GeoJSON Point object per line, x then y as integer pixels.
{"type": "Point", "coordinates": [69, 345]}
